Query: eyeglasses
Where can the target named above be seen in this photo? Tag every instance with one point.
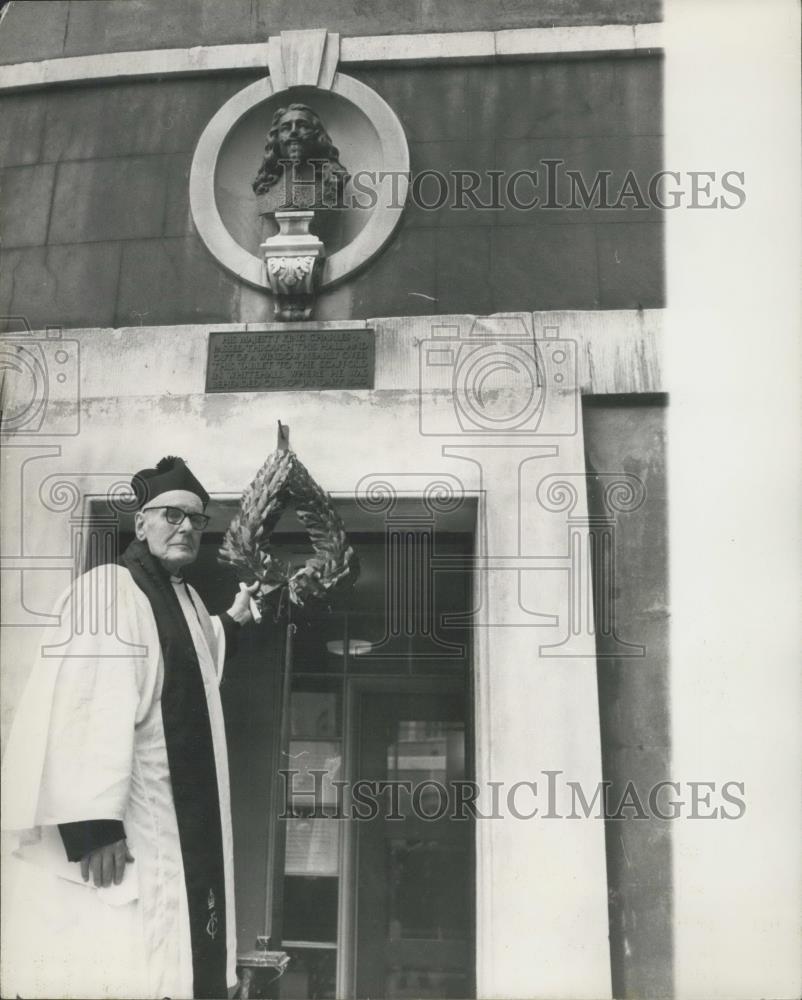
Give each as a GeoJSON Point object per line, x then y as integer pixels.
{"type": "Point", "coordinates": [175, 515]}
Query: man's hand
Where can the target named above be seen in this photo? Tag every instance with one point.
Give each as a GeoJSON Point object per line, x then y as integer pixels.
{"type": "Point", "coordinates": [241, 610]}
{"type": "Point", "coordinates": [107, 864]}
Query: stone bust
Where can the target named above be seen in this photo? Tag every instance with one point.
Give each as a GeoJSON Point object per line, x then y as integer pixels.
{"type": "Point", "coordinates": [301, 167]}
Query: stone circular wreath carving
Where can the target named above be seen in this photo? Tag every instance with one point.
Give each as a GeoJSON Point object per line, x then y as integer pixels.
{"type": "Point", "coordinates": [283, 481]}
{"type": "Point", "coordinates": [385, 216]}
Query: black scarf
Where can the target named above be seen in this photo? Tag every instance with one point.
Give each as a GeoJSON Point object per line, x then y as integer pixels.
{"type": "Point", "coordinates": [190, 756]}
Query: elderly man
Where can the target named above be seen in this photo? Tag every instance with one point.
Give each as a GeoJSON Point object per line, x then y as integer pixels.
{"type": "Point", "coordinates": [117, 777]}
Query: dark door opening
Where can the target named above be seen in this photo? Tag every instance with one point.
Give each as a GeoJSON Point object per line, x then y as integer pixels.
{"type": "Point", "coordinates": [414, 870]}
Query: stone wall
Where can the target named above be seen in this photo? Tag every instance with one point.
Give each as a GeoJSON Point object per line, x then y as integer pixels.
{"type": "Point", "coordinates": [97, 232]}
{"type": "Point", "coordinates": [533, 710]}
{"type": "Point", "coordinates": [629, 433]}
{"type": "Point", "coordinates": [96, 222]}
{"type": "Point", "coordinates": [47, 29]}
{"type": "Point", "coordinates": [97, 229]}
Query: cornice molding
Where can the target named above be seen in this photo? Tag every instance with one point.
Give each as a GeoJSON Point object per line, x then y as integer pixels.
{"type": "Point", "coordinates": [399, 50]}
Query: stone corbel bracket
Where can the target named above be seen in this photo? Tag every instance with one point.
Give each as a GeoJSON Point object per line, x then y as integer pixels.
{"type": "Point", "coordinates": [300, 58]}
{"type": "Point", "coordinates": [292, 262]}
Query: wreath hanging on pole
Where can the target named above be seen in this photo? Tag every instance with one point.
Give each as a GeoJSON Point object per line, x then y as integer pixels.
{"type": "Point", "coordinates": [283, 481]}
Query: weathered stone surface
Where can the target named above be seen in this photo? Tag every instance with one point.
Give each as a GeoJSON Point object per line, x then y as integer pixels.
{"type": "Point", "coordinates": [642, 155]}
{"type": "Point", "coordinates": [109, 26]}
{"type": "Point", "coordinates": [633, 696]}
{"type": "Point", "coordinates": [588, 97]}
{"type": "Point", "coordinates": [585, 158]}
{"type": "Point", "coordinates": [526, 187]}
{"type": "Point", "coordinates": [544, 267]}
{"type": "Point", "coordinates": [435, 198]}
{"type": "Point", "coordinates": [631, 267]}
{"type": "Point", "coordinates": [152, 116]}
{"type": "Point", "coordinates": [61, 285]}
{"type": "Point", "coordinates": [25, 204]}
{"type": "Point", "coordinates": [173, 281]}
{"type": "Point", "coordinates": [635, 691]}
{"type": "Point", "coordinates": [443, 115]}
{"type": "Point", "coordinates": [601, 96]}
{"type": "Point", "coordinates": [177, 215]}
{"type": "Point", "coordinates": [36, 31]}
{"type": "Point", "coordinates": [128, 150]}
{"type": "Point", "coordinates": [463, 270]}
{"type": "Point", "coordinates": [110, 355]}
{"type": "Point", "coordinates": [119, 199]}
{"type": "Point", "coordinates": [639, 876]}
{"type": "Point", "coordinates": [640, 90]}
{"type": "Point", "coordinates": [402, 280]}
{"type": "Point", "coordinates": [21, 136]}
{"type": "Point", "coordinates": [646, 969]}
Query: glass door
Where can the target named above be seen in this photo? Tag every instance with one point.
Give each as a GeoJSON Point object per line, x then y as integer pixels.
{"type": "Point", "coordinates": [414, 860]}
{"type": "Point", "coordinates": [312, 866]}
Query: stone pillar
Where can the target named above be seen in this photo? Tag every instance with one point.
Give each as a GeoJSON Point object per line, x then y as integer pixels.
{"type": "Point", "coordinates": [541, 881]}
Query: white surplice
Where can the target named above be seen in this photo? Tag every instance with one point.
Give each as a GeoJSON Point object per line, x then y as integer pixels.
{"type": "Point", "coordinates": [88, 743]}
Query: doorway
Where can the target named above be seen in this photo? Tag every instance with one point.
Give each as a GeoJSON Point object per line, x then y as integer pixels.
{"type": "Point", "coordinates": [381, 691]}
{"type": "Point", "coordinates": [413, 896]}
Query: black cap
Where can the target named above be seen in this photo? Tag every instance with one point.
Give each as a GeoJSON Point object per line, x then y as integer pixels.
{"type": "Point", "coordinates": [171, 473]}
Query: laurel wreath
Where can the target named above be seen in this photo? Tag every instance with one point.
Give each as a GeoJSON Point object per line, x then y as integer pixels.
{"type": "Point", "coordinates": [282, 482]}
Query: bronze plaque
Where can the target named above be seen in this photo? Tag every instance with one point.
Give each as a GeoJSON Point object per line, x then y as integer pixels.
{"type": "Point", "coordinates": [282, 360]}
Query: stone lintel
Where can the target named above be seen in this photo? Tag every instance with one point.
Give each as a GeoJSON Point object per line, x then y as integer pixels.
{"type": "Point", "coordinates": [611, 351]}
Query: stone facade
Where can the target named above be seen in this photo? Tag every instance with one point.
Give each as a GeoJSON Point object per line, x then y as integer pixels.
{"type": "Point", "coordinates": [98, 238]}
{"type": "Point", "coordinates": [95, 185]}
{"type": "Point", "coordinates": [70, 29]}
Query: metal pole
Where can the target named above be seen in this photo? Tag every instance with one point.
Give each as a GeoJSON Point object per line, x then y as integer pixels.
{"type": "Point", "coordinates": [279, 803]}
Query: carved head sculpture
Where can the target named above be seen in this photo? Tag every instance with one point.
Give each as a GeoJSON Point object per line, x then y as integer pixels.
{"type": "Point", "coordinates": [297, 138]}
